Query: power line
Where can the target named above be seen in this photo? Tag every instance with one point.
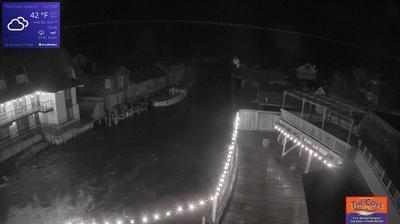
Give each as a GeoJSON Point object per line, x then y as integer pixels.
{"type": "Point", "coordinates": [237, 25]}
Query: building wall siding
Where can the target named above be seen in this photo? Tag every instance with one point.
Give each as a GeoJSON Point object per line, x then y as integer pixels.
{"type": "Point", "coordinates": [52, 116]}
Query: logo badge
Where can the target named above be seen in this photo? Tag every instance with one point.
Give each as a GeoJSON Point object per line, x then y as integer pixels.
{"type": "Point", "coordinates": [362, 210]}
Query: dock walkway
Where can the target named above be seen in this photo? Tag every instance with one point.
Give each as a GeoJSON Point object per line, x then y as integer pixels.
{"type": "Point", "coordinates": [268, 187]}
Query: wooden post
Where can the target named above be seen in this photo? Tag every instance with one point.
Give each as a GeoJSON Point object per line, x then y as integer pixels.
{"type": "Point", "coordinates": [284, 146]}
{"type": "Point", "coordinates": [256, 123]}
{"type": "Point", "coordinates": [323, 118]}
{"type": "Point", "coordinates": [300, 150]}
{"type": "Point", "coordinates": [302, 107]}
{"type": "Point", "coordinates": [308, 163]}
{"type": "Point", "coordinates": [350, 131]}
{"type": "Point", "coordinates": [310, 111]}
{"type": "Point", "coordinates": [214, 209]}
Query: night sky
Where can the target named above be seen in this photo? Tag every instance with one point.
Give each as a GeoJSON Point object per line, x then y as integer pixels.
{"type": "Point", "coordinates": [374, 24]}
{"type": "Point", "coordinates": [370, 27]}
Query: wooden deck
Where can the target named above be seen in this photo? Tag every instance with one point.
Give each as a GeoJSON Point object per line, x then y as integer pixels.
{"type": "Point", "coordinates": [268, 188]}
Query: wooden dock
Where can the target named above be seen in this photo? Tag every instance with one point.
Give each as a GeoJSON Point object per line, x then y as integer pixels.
{"type": "Point", "coordinates": [268, 187]}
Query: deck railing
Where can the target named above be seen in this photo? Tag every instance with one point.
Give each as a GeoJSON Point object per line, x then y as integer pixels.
{"type": "Point", "coordinates": [25, 111]}
{"type": "Point", "coordinates": [391, 189]}
{"type": "Point", "coordinates": [220, 203]}
{"type": "Point", "coordinates": [258, 120]}
{"type": "Point", "coordinates": [332, 142]}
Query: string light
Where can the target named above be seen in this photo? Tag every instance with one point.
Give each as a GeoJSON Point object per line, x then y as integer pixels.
{"type": "Point", "coordinates": [180, 209]}
{"type": "Point", "coordinates": [298, 142]}
{"type": "Point", "coordinates": [201, 202]}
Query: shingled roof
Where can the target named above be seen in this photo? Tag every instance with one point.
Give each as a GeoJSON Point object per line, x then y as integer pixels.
{"type": "Point", "coordinates": [47, 70]}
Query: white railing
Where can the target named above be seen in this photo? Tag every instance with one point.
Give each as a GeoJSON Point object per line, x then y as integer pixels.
{"type": "Point", "coordinates": [257, 120]}
{"type": "Point", "coordinates": [390, 188]}
{"type": "Point", "coordinates": [220, 203]}
{"type": "Point", "coordinates": [332, 142]}
{"type": "Point", "coordinates": [25, 110]}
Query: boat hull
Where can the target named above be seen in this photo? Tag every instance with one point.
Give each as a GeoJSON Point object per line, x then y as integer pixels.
{"type": "Point", "coordinates": [166, 106]}
{"type": "Point", "coordinates": [170, 101]}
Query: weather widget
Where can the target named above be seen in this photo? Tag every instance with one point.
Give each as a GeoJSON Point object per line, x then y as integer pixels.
{"type": "Point", "coordinates": [31, 24]}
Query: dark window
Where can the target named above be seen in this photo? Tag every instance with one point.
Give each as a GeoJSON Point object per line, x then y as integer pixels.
{"type": "Point", "coordinates": [68, 104]}
{"type": "Point", "coordinates": [107, 83]}
{"type": "Point", "coordinates": [4, 132]}
{"type": "Point", "coordinates": [70, 113]}
{"type": "Point", "coordinates": [67, 94]}
{"type": "Point", "coordinates": [117, 100]}
{"type": "Point", "coordinates": [121, 81]}
{"type": "Point", "coordinates": [23, 124]}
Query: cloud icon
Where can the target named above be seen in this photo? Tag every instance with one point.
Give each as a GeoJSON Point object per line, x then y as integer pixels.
{"type": "Point", "coordinates": [23, 20]}
{"type": "Point", "coordinates": [17, 24]}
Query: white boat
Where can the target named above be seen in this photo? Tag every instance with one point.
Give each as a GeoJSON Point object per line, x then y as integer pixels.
{"type": "Point", "coordinates": [174, 96]}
